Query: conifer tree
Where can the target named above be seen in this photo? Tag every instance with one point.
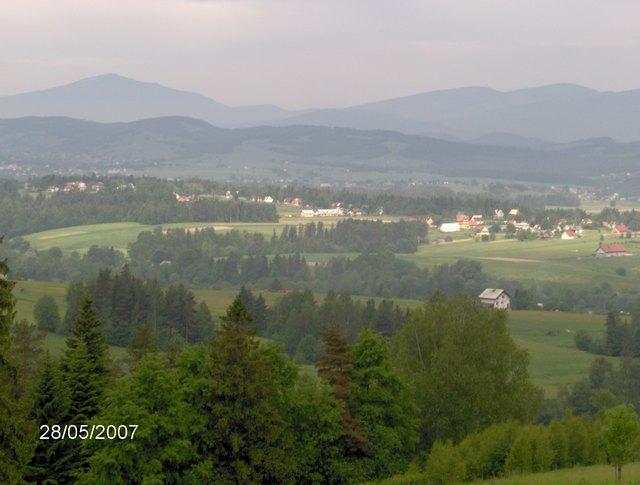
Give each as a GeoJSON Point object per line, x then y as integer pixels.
{"type": "Point", "coordinates": [14, 427]}
{"type": "Point", "coordinates": [86, 370]}
{"type": "Point", "coordinates": [50, 461]}
{"type": "Point", "coordinates": [335, 368]}
{"type": "Point", "coordinates": [246, 438]}
{"type": "Point", "coordinates": [143, 342]}
{"type": "Point", "coordinates": [26, 350]}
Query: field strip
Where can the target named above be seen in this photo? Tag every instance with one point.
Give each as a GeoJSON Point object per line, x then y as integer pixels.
{"type": "Point", "coordinates": [511, 260]}
{"type": "Point", "coordinates": [64, 234]}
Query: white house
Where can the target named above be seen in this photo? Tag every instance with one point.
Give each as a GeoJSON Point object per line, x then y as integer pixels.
{"type": "Point", "coordinates": [495, 298]}
{"type": "Point", "coordinates": [268, 199]}
{"type": "Point", "coordinates": [568, 235]}
{"type": "Point", "coordinates": [450, 227]}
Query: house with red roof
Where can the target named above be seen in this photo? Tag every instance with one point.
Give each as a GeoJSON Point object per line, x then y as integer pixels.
{"type": "Point", "coordinates": [620, 230]}
{"type": "Point", "coordinates": [611, 250]}
{"type": "Point", "coordinates": [568, 235]}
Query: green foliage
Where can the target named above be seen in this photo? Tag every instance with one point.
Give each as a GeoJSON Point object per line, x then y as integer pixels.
{"type": "Point", "coordinates": [161, 450]}
{"type": "Point", "coordinates": [15, 447]}
{"type": "Point", "coordinates": [46, 314]}
{"type": "Point", "coordinates": [465, 369]}
{"type": "Point", "coordinates": [621, 436]}
{"type": "Point", "coordinates": [382, 404]}
{"type": "Point", "coordinates": [444, 464]}
{"type": "Point", "coordinates": [244, 437]}
{"type": "Point", "coordinates": [50, 462]}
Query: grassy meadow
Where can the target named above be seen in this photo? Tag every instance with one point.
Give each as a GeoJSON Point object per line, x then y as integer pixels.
{"type": "Point", "coordinates": [541, 260]}
{"type": "Point", "coordinates": [548, 336]}
{"type": "Point", "coordinates": [120, 234]}
{"type": "Point", "coordinates": [582, 475]}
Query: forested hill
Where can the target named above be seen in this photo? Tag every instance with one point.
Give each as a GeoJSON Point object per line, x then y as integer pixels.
{"type": "Point", "coordinates": [183, 141]}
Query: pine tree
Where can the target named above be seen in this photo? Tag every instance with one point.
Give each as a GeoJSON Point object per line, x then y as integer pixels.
{"type": "Point", "coordinates": [50, 461]}
{"type": "Point", "coordinates": [246, 438]}
{"type": "Point", "coordinates": [15, 448]}
{"type": "Point", "coordinates": [85, 378]}
{"type": "Point", "coordinates": [26, 350]}
{"type": "Point", "coordinates": [143, 342]}
{"type": "Point", "coordinates": [335, 368]}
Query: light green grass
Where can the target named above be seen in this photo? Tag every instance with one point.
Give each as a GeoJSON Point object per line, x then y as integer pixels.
{"type": "Point", "coordinates": [541, 261]}
{"type": "Point", "coordinates": [548, 336]}
{"type": "Point", "coordinates": [120, 234]}
{"type": "Point", "coordinates": [583, 475]}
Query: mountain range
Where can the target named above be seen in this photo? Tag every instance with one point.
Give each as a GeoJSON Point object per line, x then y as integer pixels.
{"type": "Point", "coordinates": [185, 144]}
{"type": "Point", "coordinates": [522, 118]}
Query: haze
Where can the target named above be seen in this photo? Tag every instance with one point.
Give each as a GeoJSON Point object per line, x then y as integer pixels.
{"type": "Point", "coordinates": [303, 53]}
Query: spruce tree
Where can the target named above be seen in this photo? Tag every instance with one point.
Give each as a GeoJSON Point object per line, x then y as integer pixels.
{"type": "Point", "coordinates": [246, 438]}
{"type": "Point", "coordinates": [14, 427]}
{"type": "Point", "coordinates": [143, 342]}
{"type": "Point", "coordinates": [85, 378]}
{"type": "Point", "coordinates": [50, 461]}
{"type": "Point", "coordinates": [335, 368]}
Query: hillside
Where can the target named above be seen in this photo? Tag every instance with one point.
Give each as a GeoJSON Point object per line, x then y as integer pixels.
{"type": "Point", "coordinates": [187, 143]}
{"type": "Point", "coordinates": [558, 113]}
{"type": "Point", "coordinates": [111, 98]}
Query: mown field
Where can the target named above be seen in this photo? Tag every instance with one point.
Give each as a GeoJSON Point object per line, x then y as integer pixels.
{"type": "Point", "coordinates": [120, 234]}
{"type": "Point", "coordinates": [541, 261]}
{"type": "Point", "coordinates": [582, 475]}
{"type": "Point", "coordinates": [548, 336]}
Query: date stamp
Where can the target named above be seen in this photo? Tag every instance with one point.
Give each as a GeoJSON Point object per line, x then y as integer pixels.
{"type": "Point", "coordinates": [88, 432]}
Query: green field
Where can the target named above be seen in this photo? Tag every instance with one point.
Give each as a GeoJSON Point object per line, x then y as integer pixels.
{"type": "Point", "coordinates": [548, 336]}
{"type": "Point", "coordinates": [120, 234]}
{"type": "Point", "coordinates": [541, 261]}
{"type": "Point", "coordinates": [582, 475]}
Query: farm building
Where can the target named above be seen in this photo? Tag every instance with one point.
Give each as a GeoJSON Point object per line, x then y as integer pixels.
{"type": "Point", "coordinates": [619, 230]}
{"type": "Point", "coordinates": [495, 298]}
{"type": "Point", "coordinates": [611, 250]}
{"type": "Point", "coordinates": [568, 235]}
{"type": "Point", "coordinates": [450, 227]}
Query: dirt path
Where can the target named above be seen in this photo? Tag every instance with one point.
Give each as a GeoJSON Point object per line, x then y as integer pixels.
{"type": "Point", "coordinates": [512, 260]}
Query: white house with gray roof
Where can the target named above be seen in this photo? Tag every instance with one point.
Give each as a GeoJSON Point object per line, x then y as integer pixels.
{"type": "Point", "coordinates": [495, 298]}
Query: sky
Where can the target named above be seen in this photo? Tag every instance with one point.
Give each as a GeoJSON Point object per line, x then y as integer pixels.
{"type": "Point", "coordinates": [321, 53]}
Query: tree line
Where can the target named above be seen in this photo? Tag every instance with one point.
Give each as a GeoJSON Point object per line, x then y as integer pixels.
{"type": "Point", "coordinates": [152, 201]}
{"type": "Point", "coordinates": [347, 235]}
{"type": "Point", "coordinates": [238, 410]}
{"type": "Point", "coordinates": [450, 380]}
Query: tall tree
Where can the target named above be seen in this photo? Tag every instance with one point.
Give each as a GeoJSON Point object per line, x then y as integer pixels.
{"type": "Point", "coordinates": [622, 437]}
{"type": "Point", "coordinates": [50, 461]}
{"type": "Point", "coordinates": [465, 369]}
{"type": "Point", "coordinates": [160, 450]}
{"type": "Point", "coordinates": [335, 368]}
{"type": "Point", "coordinates": [246, 438]}
{"type": "Point", "coordinates": [15, 447]}
{"type": "Point", "coordinates": [86, 368]}
{"type": "Point", "coordinates": [382, 404]}
{"type": "Point", "coordinates": [46, 314]}
{"type": "Point", "coordinates": [26, 351]}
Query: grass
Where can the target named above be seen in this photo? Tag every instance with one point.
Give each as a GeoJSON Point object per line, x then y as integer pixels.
{"type": "Point", "coordinates": [548, 336]}
{"type": "Point", "coordinates": [541, 261]}
{"type": "Point", "coordinates": [582, 475]}
{"type": "Point", "coordinates": [120, 234]}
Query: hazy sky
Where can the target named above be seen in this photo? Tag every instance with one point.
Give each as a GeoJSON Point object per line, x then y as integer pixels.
{"type": "Point", "coordinates": [317, 53]}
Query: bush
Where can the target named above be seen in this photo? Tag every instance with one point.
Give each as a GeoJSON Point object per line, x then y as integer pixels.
{"type": "Point", "coordinates": [445, 464]}
{"type": "Point", "coordinates": [46, 314]}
